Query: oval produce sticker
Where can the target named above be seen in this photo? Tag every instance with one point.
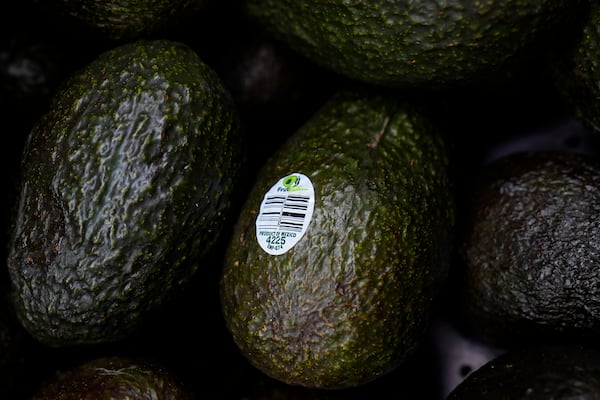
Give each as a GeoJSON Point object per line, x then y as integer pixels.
{"type": "Point", "coordinates": [285, 213]}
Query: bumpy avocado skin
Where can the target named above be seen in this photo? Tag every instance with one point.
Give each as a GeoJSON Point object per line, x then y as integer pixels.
{"type": "Point", "coordinates": [126, 184]}
{"type": "Point", "coordinates": [559, 372]}
{"type": "Point", "coordinates": [531, 249]}
{"type": "Point", "coordinates": [114, 377]}
{"type": "Point", "coordinates": [349, 302]}
{"type": "Point", "coordinates": [130, 19]}
{"type": "Point", "coordinates": [410, 43]}
{"type": "Point", "coordinates": [577, 71]}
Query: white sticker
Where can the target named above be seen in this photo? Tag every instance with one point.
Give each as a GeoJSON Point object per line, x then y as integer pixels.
{"type": "Point", "coordinates": [285, 213]}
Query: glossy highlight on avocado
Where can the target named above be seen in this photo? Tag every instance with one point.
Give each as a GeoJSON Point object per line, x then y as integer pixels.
{"type": "Point", "coordinates": [351, 299]}
{"type": "Point", "coordinates": [126, 184]}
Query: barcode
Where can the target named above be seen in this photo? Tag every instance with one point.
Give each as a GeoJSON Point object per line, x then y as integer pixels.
{"type": "Point", "coordinates": [283, 213]}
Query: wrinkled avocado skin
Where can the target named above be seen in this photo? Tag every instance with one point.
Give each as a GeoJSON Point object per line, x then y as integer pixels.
{"type": "Point", "coordinates": [531, 249]}
{"type": "Point", "coordinates": [420, 43]}
{"type": "Point", "coordinates": [114, 377]}
{"type": "Point", "coordinates": [126, 184]}
{"type": "Point", "coordinates": [129, 19]}
{"type": "Point", "coordinates": [350, 300]}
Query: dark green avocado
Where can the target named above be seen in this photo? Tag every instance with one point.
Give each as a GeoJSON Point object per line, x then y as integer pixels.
{"type": "Point", "coordinates": [128, 19]}
{"type": "Point", "coordinates": [557, 372]}
{"type": "Point", "coordinates": [530, 249]}
{"type": "Point", "coordinates": [577, 69]}
{"type": "Point", "coordinates": [421, 43]}
{"type": "Point", "coordinates": [114, 377]}
{"type": "Point", "coordinates": [342, 244]}
{"type": "Point", "coordinates": [126, 183]}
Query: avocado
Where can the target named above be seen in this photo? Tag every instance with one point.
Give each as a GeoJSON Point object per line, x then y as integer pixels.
{"type": "Point", "coordinates": [576, 68]}
{"type": "Point", "coordinates": [121, 20]}
{"type": "Point", "coordinates": [114, 377]}
{"type": "Point", "coordinates": [530, 249]}
{"type": "Point", "coordinates": [560, 371]}
{"type": "Point", "coordinates": [127, 182]}
{"type": "Point", "coordinates": [421, 43]}
{"type": "Point", "coordinates": [342, 244]}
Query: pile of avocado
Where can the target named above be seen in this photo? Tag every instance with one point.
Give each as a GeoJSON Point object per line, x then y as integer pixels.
{"type": "Point", "coordinates": [265, 199]}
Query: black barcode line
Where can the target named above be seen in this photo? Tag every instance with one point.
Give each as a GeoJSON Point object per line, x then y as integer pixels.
{"type": "Point", "coordinates": [297, 197]}
{"type": "Point", "coordinates": [275, 202]}
{"type": "Point", "coordinates": [297, 200]}
{"type": "Point", "coordinates": [293, 228]}
{"type": "Point", "coordinates": [293, 215]}
{"type": "Point", "coordinates": [297, 207]}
